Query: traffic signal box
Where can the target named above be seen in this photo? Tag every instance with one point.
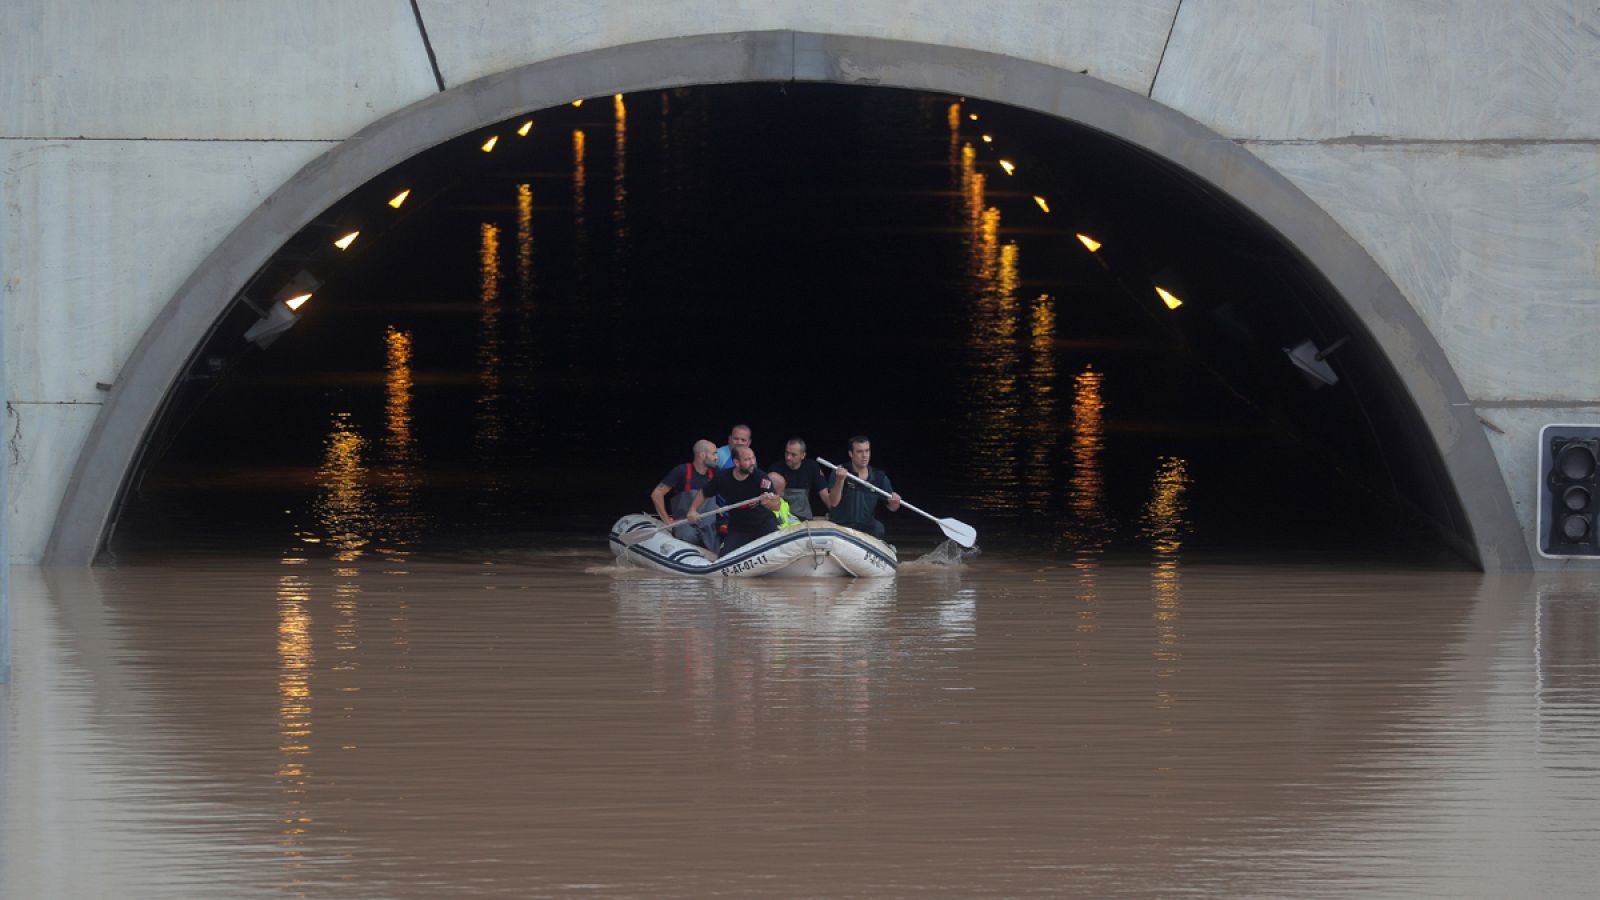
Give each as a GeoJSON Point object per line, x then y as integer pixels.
{"type": "Point", "coordinates": [1569, 490]}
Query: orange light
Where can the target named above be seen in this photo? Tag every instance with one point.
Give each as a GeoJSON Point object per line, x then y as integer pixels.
{"type": "Point", "coordinates": [988, 139]}
{"type": "Point", "coordinates": [1167, 298]}
{"type": "Point", "coordinates": [399, 198]}
{"type": "Point", "coordinates": [345, 242]}
{"type": "Point", "coordinates": [1090, 243]}
{"type": "Point", "coordinates": [1042, 203]}
{"type": "Point", "coordinates": [972, 116]}
{"type": "Point", "coordinates": [526, 127]}
{"type": "Point", "coordinates": [1006, 164]}
{"type": "Point", "coordinates": [577, 103]}
{"type": "Point", "coordinates": [489, 144]}
{"type": "Point", "coordinates": [294, 303]}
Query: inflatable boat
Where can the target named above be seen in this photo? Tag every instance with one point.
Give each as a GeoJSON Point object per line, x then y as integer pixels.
{"type": "Point", "coordinates": [816, 549]}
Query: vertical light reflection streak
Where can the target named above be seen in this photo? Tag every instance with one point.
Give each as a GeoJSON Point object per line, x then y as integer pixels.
{"type": "Point", "coordinates": [1164, 525]}
{"type": "Point", "coordinates": [521, 350]}
{"type": "Point", "coordinates": [296, 656]}
{"type": "Point", "coordinates": [525, 240]}
{"type": "Point", "coordinates": [992, 278]}
{"type": "Point", "coordinates": [580, 186]}
{"type": "Point", "coordinates": [344, 506]}
{"type": "Point", "coordinates": [1041, 392]}
{"type": "Point", "coordinates": [489, 388]}
{"type": "Point", "coordinates": [1090, 528]}
{"type": "Point", "coordinates": [399, 442]}
{"type": "Point", "coordinates": [619, 188]}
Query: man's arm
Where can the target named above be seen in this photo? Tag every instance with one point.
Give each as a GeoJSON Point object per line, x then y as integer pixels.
{"type": "Point", "coordinates": [835, 491]}
{"type": "Point", "coordinates": [893, 498]}
{"type": "Point", "coordinates": [659, 498]}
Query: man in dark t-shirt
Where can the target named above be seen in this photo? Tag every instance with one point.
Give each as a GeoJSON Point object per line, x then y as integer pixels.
{"type": "Point", "coordinates": [671, 496]}
{"type": "Point", "coordinates": [853, 506]}
{"type": "Point", "coordinates": [801, 478]}
{"type": "Point", "coordinates": [742, 482]}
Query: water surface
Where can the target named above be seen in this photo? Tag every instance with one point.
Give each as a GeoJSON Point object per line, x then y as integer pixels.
{"type": "Point", "coordinates": [540, 723]}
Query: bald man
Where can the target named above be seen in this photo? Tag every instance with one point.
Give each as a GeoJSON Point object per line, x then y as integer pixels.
{"type": "Point", "coordinates": [681, 484]}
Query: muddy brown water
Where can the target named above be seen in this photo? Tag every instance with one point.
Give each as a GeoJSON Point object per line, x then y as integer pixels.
{"type": "Point", "coordinates": [545, 724]}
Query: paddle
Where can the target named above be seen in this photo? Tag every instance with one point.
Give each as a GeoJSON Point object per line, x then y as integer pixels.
{"type": "Point", "coordinates": [634, 537]}
{"type": "Point", "coordinates": [954, 529]}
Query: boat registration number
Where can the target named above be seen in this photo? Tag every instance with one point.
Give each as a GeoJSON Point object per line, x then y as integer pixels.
{"type": "Point", "coordinates": [746, 565]}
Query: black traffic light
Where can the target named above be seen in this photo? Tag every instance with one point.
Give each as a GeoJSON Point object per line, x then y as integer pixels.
{"type": "Point", "coordinates": [1569, 490]}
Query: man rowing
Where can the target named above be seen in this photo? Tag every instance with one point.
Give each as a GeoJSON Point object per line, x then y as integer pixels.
{"type": "Point", "coordinates": [742, 482]}
{"type": "Point", "coordinates": [852, 505]}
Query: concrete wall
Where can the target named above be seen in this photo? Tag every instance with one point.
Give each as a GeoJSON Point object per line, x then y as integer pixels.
{"type": "Point", "coordinates": [1455, 142]}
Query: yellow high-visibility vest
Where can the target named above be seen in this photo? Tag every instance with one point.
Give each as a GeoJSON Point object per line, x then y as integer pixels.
{"type": "Point", "coordinates": [786, 519]}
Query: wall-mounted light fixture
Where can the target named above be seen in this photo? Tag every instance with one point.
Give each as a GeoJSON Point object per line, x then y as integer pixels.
{"type": "Point", "coordinates": [1313, 362]}
{"type": "Point", "coordinates": [283, 312]}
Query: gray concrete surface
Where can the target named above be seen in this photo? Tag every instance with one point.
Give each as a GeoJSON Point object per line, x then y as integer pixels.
{"type": "Point", "coordinates": [1437, 159]}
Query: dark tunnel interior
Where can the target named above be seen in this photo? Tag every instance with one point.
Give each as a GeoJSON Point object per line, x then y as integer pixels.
{"type": "Point", "coordinates": [516, 352]}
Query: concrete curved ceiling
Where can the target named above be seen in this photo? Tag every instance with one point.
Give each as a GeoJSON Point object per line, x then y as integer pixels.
{"type": "Point", "coordinates": [136, 401]}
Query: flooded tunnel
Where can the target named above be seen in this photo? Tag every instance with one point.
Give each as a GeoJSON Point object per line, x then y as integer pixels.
{"type": "Point", "coordinates": [1059, 338]}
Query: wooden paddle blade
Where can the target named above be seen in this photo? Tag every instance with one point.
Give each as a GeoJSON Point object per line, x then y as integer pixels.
{"type": "Point", "coordinates": [960, 532]}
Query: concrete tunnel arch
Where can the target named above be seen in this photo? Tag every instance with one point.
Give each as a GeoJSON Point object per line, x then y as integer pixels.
{"type": "Point", "coordinates": [136, 401]}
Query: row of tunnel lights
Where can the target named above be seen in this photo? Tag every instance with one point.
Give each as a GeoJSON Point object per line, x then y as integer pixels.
{"type": "Point", "coordinates": [1168, 298]}
{"type": "Point", "coordinates": [273, 325]}
{"type": "Point", "coordinates": [296, 294]}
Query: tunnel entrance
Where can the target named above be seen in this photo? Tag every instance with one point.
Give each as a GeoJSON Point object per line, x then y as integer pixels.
{"type": "Point", "coordinates": [1046, 331]}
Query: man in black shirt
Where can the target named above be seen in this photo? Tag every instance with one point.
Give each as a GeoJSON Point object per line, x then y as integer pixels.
{"type": "Point", "coordinates": [799, 477]}
{"type": "Point", "coordinates": [742, 482]}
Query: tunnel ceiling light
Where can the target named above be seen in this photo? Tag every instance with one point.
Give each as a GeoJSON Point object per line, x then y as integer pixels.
{"type": "Point", "coordinates": [1167, 297]}
{"type": "Point", "coordinates": [399, 198]}
{"type": "Point", "coordinates": [489, 144]}
{"type": "Point", "coordinates": [577, 103]}
{"type": "Point", "coordinates": [1090, 243]}
{"type": "Point", "coordinates": [988, 139]}
{"type": "Point", "coordinates": [1008, 166]}
{"type": "Point", "coordinates": [972, 116]}
{"type": "Point", "coordinates": [345, 242]}
{"type": "Point", "coordinates": [1043, 203]}
{"type": "Point", "coordinates": [294, 303]}
{"type": "Point", "coordinates": [526, 127]}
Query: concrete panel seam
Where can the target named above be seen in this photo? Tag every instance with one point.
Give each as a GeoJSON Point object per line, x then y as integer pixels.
{"type": "Point", "coordinates": [427, 44]}
{"type": "Point", "coordinates": [1171, 27]}
{"type": "Point", "coordinates": [15, 442]}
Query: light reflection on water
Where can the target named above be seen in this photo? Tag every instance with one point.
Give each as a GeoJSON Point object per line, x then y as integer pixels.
{"type": "Point", "coordinates": [240, 729]}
